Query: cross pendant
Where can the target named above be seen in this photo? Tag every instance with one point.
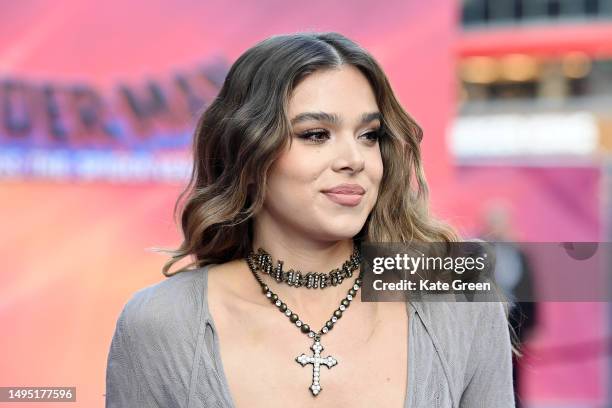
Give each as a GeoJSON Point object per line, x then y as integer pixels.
{"type": "Point", "coordinates": [317, 361]}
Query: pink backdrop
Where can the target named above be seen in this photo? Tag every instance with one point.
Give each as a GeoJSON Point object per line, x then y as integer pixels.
{"type": "Point", "coordinates": [75, 251]}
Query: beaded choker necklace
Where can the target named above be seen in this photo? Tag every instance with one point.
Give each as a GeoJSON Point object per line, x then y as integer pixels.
{"type": "Point", "coordinates": [315, 359]}
{"type": "Point", "coordinates": [262, 261]}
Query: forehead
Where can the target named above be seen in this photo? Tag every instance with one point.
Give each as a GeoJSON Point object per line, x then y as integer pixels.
{"type": "Point", "coordinates": [344, 91]}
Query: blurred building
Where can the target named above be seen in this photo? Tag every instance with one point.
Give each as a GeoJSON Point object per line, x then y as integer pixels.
{"type": "Point", "coordinates": [538, 75]}
{"type": "Point", "coordinates": [533, 129]}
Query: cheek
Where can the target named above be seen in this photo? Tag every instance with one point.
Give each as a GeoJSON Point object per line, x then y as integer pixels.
{"type": "Point", "coordinates": [295, 174]}
{"type": "Point", "coordinates": [375, 168]}
{"type": "Point", "coordinates": [375, 171]}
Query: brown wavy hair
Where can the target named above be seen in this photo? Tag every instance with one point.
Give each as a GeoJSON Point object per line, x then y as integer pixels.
{"type": "Point", "coordinates": [246, 127]}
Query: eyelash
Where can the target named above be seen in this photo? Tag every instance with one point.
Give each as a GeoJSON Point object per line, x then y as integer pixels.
{"type": "Point", "coordinates": [306, 135]}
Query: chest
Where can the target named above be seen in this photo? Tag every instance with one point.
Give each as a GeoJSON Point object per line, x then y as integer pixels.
{"type": "Point", "coordinates": [259, 351]}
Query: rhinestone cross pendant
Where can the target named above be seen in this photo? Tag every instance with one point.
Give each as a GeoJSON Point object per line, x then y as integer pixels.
{"type": "Point", "coordinates": [317, 361]}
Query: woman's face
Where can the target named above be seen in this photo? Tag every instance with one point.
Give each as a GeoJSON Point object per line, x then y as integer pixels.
{"type": "Point", "coordinates": [335, 119]}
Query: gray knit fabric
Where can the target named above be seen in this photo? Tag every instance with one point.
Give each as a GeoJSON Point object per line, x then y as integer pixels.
{"type": "Point", "coordinates": [165, 352]}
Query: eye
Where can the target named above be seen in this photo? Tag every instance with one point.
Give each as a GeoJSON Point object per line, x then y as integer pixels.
{"type": "Point", "coordinates": [373, 136]}
{"type": "Point", "coordinates": [314, 136]}
{"type": "Point", "coordinates": [319, 136]}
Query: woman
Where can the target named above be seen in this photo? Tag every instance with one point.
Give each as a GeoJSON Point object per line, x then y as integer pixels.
{"type": "Point", "coordinates": [304, 153]}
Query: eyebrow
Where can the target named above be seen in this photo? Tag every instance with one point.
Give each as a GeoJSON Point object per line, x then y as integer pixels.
{"type": "Point", "coordinates": [333, 118]}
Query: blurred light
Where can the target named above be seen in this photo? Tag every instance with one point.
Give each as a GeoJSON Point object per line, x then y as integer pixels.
{"type": "Point", "coordinates": [479, 70]}
{"type": "Point", "coordinates": [576, 65]}
{"type": "Point", "coordinates": [518, 135]}
{"type": "Point", "coordinates": [519, 68]}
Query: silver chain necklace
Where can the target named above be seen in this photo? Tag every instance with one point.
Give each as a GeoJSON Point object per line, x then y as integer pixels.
{"type": "Point", "coordinates": [315, 359]}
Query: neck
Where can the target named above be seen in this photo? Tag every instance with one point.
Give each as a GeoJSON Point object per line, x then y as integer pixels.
{"type": "Point", "coordinates": [311, 304]}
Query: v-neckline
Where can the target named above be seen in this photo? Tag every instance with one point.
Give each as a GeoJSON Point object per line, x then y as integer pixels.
{"type": "Point", "coordinates": [410, 310]}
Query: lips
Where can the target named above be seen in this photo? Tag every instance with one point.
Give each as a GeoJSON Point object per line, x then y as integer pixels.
{"type": "Point", "coordinates": [345, 194]}
{"type": "Point", "coordinates": [352, 189]}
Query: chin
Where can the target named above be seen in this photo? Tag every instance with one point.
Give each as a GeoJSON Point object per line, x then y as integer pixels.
{"type": "Point", "coordinates": [342, 230]}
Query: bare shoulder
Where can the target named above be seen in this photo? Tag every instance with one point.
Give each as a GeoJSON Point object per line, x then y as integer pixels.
{"type": "Point", "coordinates": [223, 278]}
{"type": "Point", "coordinates": [224, 271]}
{"type": "Point", "coordinates": [232, 281]}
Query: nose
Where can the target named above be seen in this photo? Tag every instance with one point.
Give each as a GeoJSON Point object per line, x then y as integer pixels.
{"type": "Point", "coordinates": [349, 154]}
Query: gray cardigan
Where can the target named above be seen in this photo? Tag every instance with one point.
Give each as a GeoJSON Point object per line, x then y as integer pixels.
{"type": "Point", "coordinates": [165, 352]}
